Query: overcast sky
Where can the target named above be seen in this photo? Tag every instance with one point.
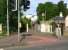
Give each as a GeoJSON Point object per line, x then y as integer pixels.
{"type": "Point", "coordinates": [34, 4]}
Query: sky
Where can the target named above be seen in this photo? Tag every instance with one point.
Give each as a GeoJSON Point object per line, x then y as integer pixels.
{"type": "Point", "coordinates": [34, 4]}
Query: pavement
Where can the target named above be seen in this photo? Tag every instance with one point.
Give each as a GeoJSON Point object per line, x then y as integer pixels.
{"type": "Point", "coordinates": [29, 41]}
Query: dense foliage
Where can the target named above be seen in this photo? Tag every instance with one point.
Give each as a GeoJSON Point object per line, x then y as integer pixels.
{"type": "Point", "coordinates": [51, 10]}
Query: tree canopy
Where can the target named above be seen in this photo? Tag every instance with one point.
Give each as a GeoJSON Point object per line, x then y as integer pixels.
{"type": "Point", "coordinates": [51, 10]}
{"type": "Point", "coordinates": [13, 16]}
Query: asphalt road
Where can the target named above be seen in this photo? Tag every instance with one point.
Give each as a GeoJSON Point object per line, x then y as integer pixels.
{"type": "Point", "coordinates": [58, 46]}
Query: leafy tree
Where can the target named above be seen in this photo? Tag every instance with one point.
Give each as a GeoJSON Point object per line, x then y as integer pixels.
{"type": "Point", "coordinates": [3, 11]}
{"type": "Point", "coordinates": [24, 21]}
{"type": "Point", "coordinates": [13, 15]}
{"type": "Point", "coordinates": [3, 7]}
{"type": "Point", "coordinates": [62, 7]}
{"type": "Point", "coordinates": [51, 9]}
{"type": "Point", "coordinates": [40, 9]}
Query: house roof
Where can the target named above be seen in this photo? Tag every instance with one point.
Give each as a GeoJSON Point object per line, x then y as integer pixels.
{"type": "Point", "coordinates": [58, 19]}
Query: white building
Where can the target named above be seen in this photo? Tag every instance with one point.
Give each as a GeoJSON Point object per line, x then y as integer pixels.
{"type": "Point", "coordinates": [66, 21]}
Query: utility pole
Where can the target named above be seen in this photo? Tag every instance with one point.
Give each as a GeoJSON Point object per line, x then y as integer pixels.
{"type": "Point", "coordinates": [45, 15]}
{"type": "Point", "coordinates": [7, 20]}
{"type": "Point", "coordinates": [18, 21]}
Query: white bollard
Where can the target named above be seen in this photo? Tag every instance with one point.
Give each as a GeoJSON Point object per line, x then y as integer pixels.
{"type": "Point", "coordinates": [0, 28]}
{"type": "Point", "coordinates": [27, 27]}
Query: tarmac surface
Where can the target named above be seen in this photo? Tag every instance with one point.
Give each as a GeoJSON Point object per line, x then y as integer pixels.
{"type": "Point", "coordinates": [12, 43]}
{"type": "Point", "coordinates": [29, 40]}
